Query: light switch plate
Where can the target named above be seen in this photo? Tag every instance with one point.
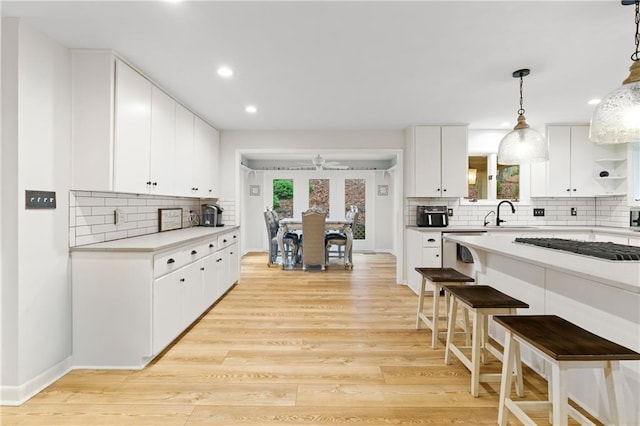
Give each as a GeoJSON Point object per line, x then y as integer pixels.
{"type": "Point", "coordinates": [538, 212]}
{"type": "Point", "coordinates": [39, 199]}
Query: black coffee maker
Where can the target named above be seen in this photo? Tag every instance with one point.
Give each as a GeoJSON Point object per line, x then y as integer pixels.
{"type": "Point", "coordinates": [211, 215]}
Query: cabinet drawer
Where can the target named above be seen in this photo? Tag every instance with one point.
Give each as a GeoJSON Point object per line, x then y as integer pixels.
{"type": "Point", "coordinates": [226, 240]}
{"type": "Point", "coordinates": [431, 240]}
{"type": "Point", "coordinates": [168, 262]}
{"type": "Point", "coordinates": [210, 246]}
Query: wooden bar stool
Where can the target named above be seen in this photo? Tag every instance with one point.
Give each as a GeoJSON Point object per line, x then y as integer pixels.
{"type": "Point", "coordinates": [481, 301]}
{"type": "Point", "coordinates": [437, 277]}
{"type": "Point", "coordinates": [564, 345]}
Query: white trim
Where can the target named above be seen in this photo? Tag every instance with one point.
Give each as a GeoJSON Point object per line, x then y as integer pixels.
{"type": "Point", "coordinates": [17, 395]}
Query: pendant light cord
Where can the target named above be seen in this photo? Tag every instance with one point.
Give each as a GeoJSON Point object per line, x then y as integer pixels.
{"type": "Point", "coordinates": [521, 110]}
{"type": "Point", "coordinates": [636, 55]}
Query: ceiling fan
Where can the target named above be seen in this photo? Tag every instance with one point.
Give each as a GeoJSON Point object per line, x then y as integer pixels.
{"type": "Point", "coordinates": [321, 164]}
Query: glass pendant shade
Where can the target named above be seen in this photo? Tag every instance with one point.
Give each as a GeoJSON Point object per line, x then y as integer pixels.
{"type": "Point", "coordinates": [523, 145]}
{"type": "Point", "coordinates": [616, 119]}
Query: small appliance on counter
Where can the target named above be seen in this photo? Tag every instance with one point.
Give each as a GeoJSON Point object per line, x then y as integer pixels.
{"type": "Point", "coordinates": [432, 216]}
{"type": "Point", "coordinates": [211, 215]}
{"type": "Point", "coordinates": [634, 218]}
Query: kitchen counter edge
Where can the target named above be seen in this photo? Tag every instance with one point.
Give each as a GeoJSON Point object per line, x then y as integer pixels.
{"type": "Point", "coordinates": [158, 241]}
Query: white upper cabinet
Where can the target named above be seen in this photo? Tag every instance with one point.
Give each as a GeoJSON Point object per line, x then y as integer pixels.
{"type": "Point", "coordinates": [132, 131]}
{"type": "Point", "coordinates": [163, 140]}
{"type": "Point", "coordinates": [574, 166]}
{"type": "Point", "coordinates": [130, 136]}
{"type": "Point", "coordinates": [184, 152]}
{"type": "Point", "coordinates": [436, 161]}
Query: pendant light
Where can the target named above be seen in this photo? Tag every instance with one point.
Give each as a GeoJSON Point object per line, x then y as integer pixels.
{"type": "Point", "coordinates": [523, 145]}
{"type": "Point", "coordinates": [616, 119]}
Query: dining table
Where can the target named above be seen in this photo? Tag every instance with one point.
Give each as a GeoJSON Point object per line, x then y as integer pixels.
{"type": "Point", "coordinates": [291, 224]}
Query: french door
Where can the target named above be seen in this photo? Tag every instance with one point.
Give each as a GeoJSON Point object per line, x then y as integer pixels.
{"type": "Point", "coordinates": [293, 192]}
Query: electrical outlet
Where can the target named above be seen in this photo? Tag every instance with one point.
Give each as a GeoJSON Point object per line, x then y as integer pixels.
{"type": "Point", "coordinates": [450, 212]}
{"type": "Point", "coordinates": [574, 211]}
{"type": "Point", "coordinates": [119, 217]}
{"type": "Point", "coordinates": [538, 212]}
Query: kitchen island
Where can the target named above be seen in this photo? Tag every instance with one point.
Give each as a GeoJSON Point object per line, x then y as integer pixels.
{"type": "Point", "coordinates": [602, 296]}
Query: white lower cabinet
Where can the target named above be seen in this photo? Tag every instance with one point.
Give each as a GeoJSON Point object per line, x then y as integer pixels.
{"type": "Point", "coordinates": [130, 304]}
{"type": "Point", "coordinates": [424, 249]}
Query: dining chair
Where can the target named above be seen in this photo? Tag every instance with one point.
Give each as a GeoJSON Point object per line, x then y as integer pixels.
{"type": "Point", "coordinates": [339, 239]}
{"type": "Point", "coordinates": [313, 244]}
{"type": "Point", "coordinates": [290, 240]}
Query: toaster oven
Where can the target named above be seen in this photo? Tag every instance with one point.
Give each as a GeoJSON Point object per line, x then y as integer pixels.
{"type": "Point", "coordinates": [432, 216]}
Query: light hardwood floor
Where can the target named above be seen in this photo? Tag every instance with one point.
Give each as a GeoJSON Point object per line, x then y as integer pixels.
{"type": "Point", "coordinates": [286, 348]}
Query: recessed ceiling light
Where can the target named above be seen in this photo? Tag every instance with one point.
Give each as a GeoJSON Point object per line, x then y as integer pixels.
{"type": "Point", "coordinates": [225, 71]}
{"type": "Point", "coordinates": [251, 109]}
{"type": "Point", "coordinates": [593, 101]}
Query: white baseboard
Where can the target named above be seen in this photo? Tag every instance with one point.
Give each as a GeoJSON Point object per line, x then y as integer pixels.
{"type": "Point", "coordinates": [17, 395]}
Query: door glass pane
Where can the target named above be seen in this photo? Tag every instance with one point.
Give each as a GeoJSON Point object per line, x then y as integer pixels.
{"type": "Point", "coordinates": [354, 195]}
{"type": "Point", "coordinates": [508, 182]}
{"type": "Point", "coordinates": [477, 178]}
{"type": "Point", "coordinates": [283, 197]}
{"type": "Point", "coordinates": [319, 194]}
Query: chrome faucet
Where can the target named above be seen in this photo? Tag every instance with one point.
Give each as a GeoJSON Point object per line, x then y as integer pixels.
{"type": "Point", "coordinates": [513, 210]}
{"type": "Point", "coordinates": [486, 222]}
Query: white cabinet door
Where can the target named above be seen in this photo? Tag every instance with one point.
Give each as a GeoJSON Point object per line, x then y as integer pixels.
{"type": "Point", "coordinates": [427, 159]}
{"type": "Point", "coordinates": [559, 166]}
{"type": "Point", "coordinates": [223, 270]}
{"type": "Point", "coordinates": [439, 165]}
{"type": "Point", "coordinates": [234, 265]}
{"type": "Point", "coordinates": [214, 164]}
{"type": "Point", "coordinates": [132, 130]}
{"type": "Point", "coordinates": [192, 294]}
{"type": "Point", "coordinates": [583, 183]}
{"type": "Point", "coordinates": [570, 169]}
{"type": "Point", "coordinates": [167, 310]}
{"type": "Point", "coordinates": [163, 137]}
{"type": "Point", "coordinates": [184, 152]}
{"type": "Point", "coordinates": [455, 161]}
{"type": "Point", "coordinates": [202, 141]}
{"type": "Point", "coordinates": [210, 279]}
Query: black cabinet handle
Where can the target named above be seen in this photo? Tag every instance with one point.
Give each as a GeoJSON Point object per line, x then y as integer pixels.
{"type": "Point", "coordinates": [445, 190]}
{"type": "Point", "coordinates": [202, 269]}
{"type": "Point", "coordinates": [171, 261]}
{"type": "Point", "coordinates": [211, 245]}
{"type": "Point", "coordinates": [182, 280]}
{"type": "Point", "coordinates": [148, 182]}
{"type": "Point", "coordinates": [574, 189]}
{"type": "Point", "coordinates": [438, 189]}
{"type": "Point", "coordinates": [224, 241]}
{"type": "Point", "coordinates": [431, 240]}
{"type": "Point", "coordinates": [235, 236]}
{"type": "Point", "coordinates": [193, 252]}
{"type": "Point", "coordinates": [155, 183]}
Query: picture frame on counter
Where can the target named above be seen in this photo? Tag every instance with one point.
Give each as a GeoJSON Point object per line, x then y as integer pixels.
{"type": "Point", "coordinates": [169, 219]}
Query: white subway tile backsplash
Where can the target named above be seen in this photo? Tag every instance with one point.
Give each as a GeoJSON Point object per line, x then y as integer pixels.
{"type": "Point", "coordinates": [89, 201]}
{"type": "Point", "coordinates": [91, 214]}
{"type": "Point", "coordinates": [607, 211]}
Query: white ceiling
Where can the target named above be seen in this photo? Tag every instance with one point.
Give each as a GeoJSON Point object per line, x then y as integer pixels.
{"type": "Point", "coordinates": [360, 65]}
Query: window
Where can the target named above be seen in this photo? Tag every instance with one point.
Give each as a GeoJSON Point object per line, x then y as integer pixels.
{"type": "Point", "coordinates": [355, 195]}
{"type": "Point", "coordinates": [283, 197]}
{"type": "Point", "coordinates": [319, 194]}
{"type": "Point", "coordinates": [489, 180]}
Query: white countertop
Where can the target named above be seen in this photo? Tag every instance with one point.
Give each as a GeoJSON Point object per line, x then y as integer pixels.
{"type": "Point", "coordinates": [621, 274]}
{"type": "Point", "coordinates": [158, 241]}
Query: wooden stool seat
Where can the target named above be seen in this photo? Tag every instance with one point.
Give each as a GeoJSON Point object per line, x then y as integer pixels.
{"type": "Point", "coordinates": [565, 346]}
{"type": "Point", "coordinates": [437, 277]}
{"type": "Point", "coordinates": [481, 301]}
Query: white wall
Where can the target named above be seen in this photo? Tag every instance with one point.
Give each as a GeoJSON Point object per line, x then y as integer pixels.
{"type": "Point", "coordinates": [236, 181]}
{"type": "Point", "coordinates": [36, 282]}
